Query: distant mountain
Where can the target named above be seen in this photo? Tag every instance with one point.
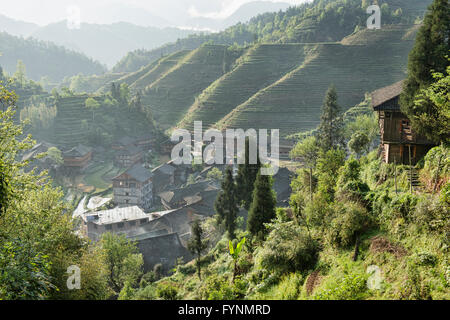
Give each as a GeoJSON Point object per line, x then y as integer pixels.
{"type": "Point", "coordinates": [117, 12]}
{"type": "Point", "coordinates": [44, 59]}
{"type": "Point", "coordinates": [16, 27]}
{"type": "Point", "coordinates": [108, 43]}
{"type": "Point", "coordinates": [243, 14]}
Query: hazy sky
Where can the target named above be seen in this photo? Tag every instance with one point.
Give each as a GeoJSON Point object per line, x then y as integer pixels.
{"type": "Point", "coordinates": [99, 11]}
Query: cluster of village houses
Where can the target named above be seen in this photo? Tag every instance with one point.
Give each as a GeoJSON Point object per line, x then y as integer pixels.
{"type": "Point", "coordinates": [162, 235]}
{"type": "Point", "coordinates": [154, 207]}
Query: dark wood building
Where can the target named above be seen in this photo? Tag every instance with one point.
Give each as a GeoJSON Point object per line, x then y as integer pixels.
{"type": "Point", "coordinates": [399, 143]}
{"type": "Point", "coordinates": [77, 158]}
{"type": "Point", "coordinates": [134, 187]}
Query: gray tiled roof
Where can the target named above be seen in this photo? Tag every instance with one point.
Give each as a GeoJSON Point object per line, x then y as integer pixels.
{"type": "Point", "coordinates": [78, 151]}
{"type": "Point", "coordinates": [385, 94]}
{"type": "Point", "coordinates": [129, 150]}
{"type": "Point", "coordinates": [139, 173]}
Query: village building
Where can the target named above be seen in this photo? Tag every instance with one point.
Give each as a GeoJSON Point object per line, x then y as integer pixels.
{"type": "Point", "coordinates": [145, 142]}
{"type": "Point", "coordinates": [163, 177]}
{"type": "Point", "coordinates": [128, 156]}
{"type": "Point", "coordinates": [163, 249]}
{"type": "Point", "coordinates": [399, 143]}
{"type": "Point", "coordinates": [118, 220]}
{"type": "Point", "coordinates": [134, 187]}
{"type": "Point", "coordinates": [77, 158]}
{"type": "Point", "coordinates": [123, 142]}
{"type": "Point", "coordinates": [39, 163]}
{"type": "Point", "coordinates": [188, 195]}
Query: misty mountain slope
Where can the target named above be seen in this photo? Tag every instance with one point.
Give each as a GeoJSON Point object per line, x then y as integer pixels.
{"type": "Point", "coordinates": [293, 104]}
{"type": "Point", "coordinates": [16, 27]}
{"type": "Point", "coordinates": [171, 95]}
{"type": "Point", "coordinates": [108, 43]}
{"type": "Point", "coordinates": [243, 14]}
{"type": "Point", "coordinates": [259, 67]}
{"type": "Point", "coordinates": [43, 59]}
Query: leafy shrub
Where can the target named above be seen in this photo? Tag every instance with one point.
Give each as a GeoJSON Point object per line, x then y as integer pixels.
{"type": "Point", "coordinates": [289, 287]}
{"type": "Point", "coordinates": [318, 212]}
{"type": "Point", "coordinates": [430, 214]}
{"type": "Point", "coordinates": [166, 291]}
{"type": "Point", "coordinates": [445, 194]}
{"type": "Point", "coordinates": [426, 258]}
{"type": "Point", "coordinates": [219, 288]}
{"type": "Point", "coordinates": [187, 269]}
{"type": "Point", "coordinates": [148, 279]}
{"type": "Point", "coordinates": [146, 293]}
{"type": "Point", "coordinates": [288, 248]}
{"type": "Point", "coordinates": [351, 220]}
{"type": "Point", "coordinates": [415, 287]}
{"type": "Point", "coordinates": [350, 287]}
{"type": "Point", "coordinates": [349, 185]}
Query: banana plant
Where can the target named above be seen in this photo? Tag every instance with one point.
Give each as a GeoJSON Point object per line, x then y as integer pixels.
{"type": "Point", "coordinates": [234, 253]}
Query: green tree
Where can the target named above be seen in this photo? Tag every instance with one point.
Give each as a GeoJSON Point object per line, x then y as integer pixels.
{"type": "Point", "coordinates": [359, 143]}
{"type": "Point", "coordinates": [197, 244]}
{"type": "Point", "coordinates": [92, 104]}
{"type": "Point", "coordinates": [307, 150]}
{"type": "Point", "coordinates": [428, 55]}
{"type": "Point", "coordinates": [331, 122]}
{"type": "Point", "coordinates": [55, 155]}
{"type": "Point", "coordinates": [226, 204]}
{"type": "Point", "coordinates": [432, 106]}
{"type": "Point", "coordinates": [246, 178]}
{"type": "Point", "coordinates": [121, 259]}
{"type": "Point", "coordinates": [328, 165]}
{"type": "Point", "coordinates": [20, 74]}
{"type": "Point", "coordinates": [124, 93]}
{"type": "Point", "coordinates": [262, 209]}
{"type": "Point", "coordinates": [215, 174]}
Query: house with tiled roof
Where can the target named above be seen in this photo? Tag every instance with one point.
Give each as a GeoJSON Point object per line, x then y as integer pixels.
{"type": "Point", "coordinates": [128, 156]}
{"type": "Point", "coordinates": [134, 187]}
{"type": "Point", "coordinates": [77, 158]}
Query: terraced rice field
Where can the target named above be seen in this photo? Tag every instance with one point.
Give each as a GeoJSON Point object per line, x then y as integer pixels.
{"type": "Point", "coordinates": [68, 121]}
{"type": "Point", "coordinates": [171, 95]}
{"type": "Point", "coordinates": [258, 68]}
{"type": "Point", "coordinates": [293, 104]}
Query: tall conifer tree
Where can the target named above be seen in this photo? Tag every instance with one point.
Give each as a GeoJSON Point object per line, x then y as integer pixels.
{"type": "Point", "coordinates": [246, 178]}
{"type": "Point", "coordinates": [226, 204]}
{"type": "Point", "coordinates": [331, 122]}
{"type": "Point", "coordinates": [262, 209]}
{"type": "Point", "coordinates": [428, 56]}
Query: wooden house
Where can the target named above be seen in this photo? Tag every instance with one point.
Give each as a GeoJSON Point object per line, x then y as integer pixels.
{"type": "Point", "coordinates": [399, 143]}
{"type": "Point", "coordinates": [128, 156]}
{"type": "Point", "coordinates": [134, 187]}
{"type": "Point", "coordinates": [77, 158]}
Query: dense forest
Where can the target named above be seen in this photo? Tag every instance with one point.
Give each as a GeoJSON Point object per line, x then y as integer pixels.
{"type": "Point", "coordinates": [44, 59]}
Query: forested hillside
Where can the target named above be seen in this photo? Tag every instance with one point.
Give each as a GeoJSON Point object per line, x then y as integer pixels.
{"type": "Point", "coordinates": [44, 59]}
